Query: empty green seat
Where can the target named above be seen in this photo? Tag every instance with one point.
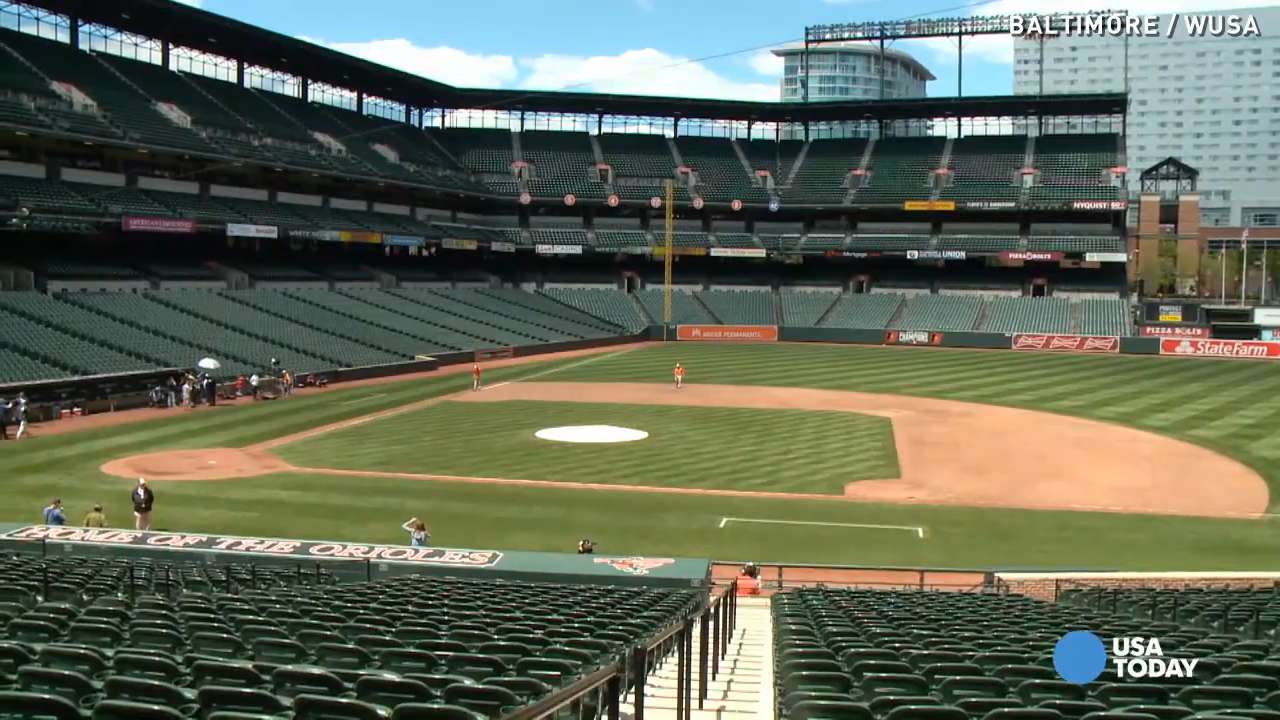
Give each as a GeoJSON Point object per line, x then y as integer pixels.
{"type": "Point", "coordinates": [32, 706]}
{"type": "Point", "coordinates": [433, 711]}
{"type": "Point", "coordinates": [149, 692]}
{"type": "Point", "coordinates": [213, 698]}
{"type": "Point", "coordinates": [325, 707]}
{"type": "Point", "coordinates": [488, 700]}
{"type": "Point", "coordinates": [926, 712]}
{"type": "Point", "coordinates": [1214, 697]}
{"type": "Point", "coordinates": [391, 692]}
{"type": "Point", "coordinates": [291, 681]}
{"type": "Point", "coordinates": [829, 710]}
{"type": "Point", "coordinates": [125, 710]}
{"type": "Point", "coordinates": [64, 683]}
{"type": "Point", "coordinates": [226, 674]}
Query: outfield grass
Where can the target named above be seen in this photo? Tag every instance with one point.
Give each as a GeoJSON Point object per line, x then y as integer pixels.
{"type": "Point", "coordinates": [717, 448]}
{"type": "Point", "coordinates": [1221, 404]}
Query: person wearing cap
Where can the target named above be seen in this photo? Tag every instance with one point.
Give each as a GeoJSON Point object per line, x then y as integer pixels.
{"type": "Point", "coordinates": [95, 519]}
{"type": "Point", "coordinates": [53, 514]}
{"type": "Point", "coordinates": [142, 499]}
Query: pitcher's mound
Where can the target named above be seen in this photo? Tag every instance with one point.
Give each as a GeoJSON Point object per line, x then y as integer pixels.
{"type": "Point", "coordinates": [206, 464]}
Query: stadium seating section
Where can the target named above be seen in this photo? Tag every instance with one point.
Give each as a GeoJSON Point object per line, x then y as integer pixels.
{"type": "Point", "coordinates": [128, 98]}
{"type": "Point", "coordinates": [294, 315]}
{"type": "Point", "coordinates": [139, 640]}
{"type": "Point", "coordinates": [955, 656]}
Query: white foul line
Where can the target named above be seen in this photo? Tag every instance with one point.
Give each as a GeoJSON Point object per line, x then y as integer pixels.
{"type": "Point", "coordinates": [548, 371]}
{"type": "Point", "coordinates": [919, 531]}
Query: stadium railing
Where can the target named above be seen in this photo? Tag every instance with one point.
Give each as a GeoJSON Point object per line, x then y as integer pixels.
{"type": "Point", "coordinates": [778, 576]}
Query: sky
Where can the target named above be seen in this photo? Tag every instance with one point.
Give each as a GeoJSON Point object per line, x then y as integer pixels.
{"type": "Point", "coordinates": [683, 48]}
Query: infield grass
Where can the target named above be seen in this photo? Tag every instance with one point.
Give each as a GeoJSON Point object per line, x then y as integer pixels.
{"type": "Point", "coordinates": [1226, 405]}
{"type": "Point", "coordinates": [717, 448]}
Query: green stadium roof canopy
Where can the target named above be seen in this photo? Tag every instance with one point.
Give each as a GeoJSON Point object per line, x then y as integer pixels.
{"type": "Point", "coordinates": [191, 27]}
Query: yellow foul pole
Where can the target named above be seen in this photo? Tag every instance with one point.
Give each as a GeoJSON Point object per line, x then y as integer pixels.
{"type": "Point", "coordinates": [667, 259]}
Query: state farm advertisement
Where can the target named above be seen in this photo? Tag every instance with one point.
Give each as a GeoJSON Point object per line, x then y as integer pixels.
{"type": "Point", "coordinates": [1185, 331]}
{"type": "Point", "coordinates": [1066, 343]}
{"type": "Point", "coordinates": [727, 333]}
{"type": "Point", "coordinates": [1220, 348]}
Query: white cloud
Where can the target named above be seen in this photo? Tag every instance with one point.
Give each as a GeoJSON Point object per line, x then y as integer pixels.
{"type": "Point", "coordinates": [766, 63]}
{"type": "Point", "coordinates": [638, 72]}
{"type": "Point", "coordinates": [443, 63]}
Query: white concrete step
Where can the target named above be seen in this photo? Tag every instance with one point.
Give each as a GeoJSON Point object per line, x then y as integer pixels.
{"type": "Point", "coordinates": [743, 687]}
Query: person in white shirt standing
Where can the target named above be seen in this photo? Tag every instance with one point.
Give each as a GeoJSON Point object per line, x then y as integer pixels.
{"type": "Point", "coordinates": [418, 535]}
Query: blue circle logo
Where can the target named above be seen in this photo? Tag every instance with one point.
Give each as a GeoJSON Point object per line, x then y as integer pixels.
{"type": "Point", "coordinates": [1079, 657]}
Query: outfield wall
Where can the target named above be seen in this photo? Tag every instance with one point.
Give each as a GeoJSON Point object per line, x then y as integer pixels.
{"type": "Point", "coordinates": [1041, 342]}
{"type": "Point", "coordinates": [1050, 586]}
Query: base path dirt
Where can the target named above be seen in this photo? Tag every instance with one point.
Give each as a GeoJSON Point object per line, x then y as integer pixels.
{"type": "Point", "coordinates": [956, 453]}
{"type": "Point", "coordinates": [949, 453]}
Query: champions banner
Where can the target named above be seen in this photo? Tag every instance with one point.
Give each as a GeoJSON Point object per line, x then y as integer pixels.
{"type": "Point", "coordinates": [299, 549]}
{"type": "Point", "coordinates": [728, 333]}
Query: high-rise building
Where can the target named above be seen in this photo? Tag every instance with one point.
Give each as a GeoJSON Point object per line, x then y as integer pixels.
{"type": "Point", "coordinates": [848, 71]}
{"type": "Point", "coordinates": [1211, 102]}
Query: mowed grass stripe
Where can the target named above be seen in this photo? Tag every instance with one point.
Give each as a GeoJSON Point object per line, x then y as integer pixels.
{"type": "Point", "coordinates": [721, 448]}
{"type": "Point", "coordinates": [1121, 389]}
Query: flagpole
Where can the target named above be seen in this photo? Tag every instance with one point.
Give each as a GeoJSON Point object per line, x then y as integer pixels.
{"type": "Point", "coordinates": [1244, 264]}
{"type": "Point", "coordinates": [1264, 273]}
{"type": "Point", "coordinates": [1222, 252]}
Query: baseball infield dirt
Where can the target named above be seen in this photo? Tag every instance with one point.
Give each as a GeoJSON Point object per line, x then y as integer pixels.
{"type": "Point", "coordinates": [950, 453]}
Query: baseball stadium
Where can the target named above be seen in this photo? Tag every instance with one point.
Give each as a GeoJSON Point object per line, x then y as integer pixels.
{"type": "Point", "coordinates": [610, 405]}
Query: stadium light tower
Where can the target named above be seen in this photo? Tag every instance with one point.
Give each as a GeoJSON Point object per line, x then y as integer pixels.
{"type": "Point", "coordinates": [883, 31]}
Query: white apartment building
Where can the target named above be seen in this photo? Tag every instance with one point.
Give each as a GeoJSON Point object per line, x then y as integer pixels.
{"type": "Point", "coordinates": [1212, 102]}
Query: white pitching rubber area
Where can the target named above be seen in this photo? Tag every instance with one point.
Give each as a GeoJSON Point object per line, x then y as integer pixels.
{"type": "Point", "coordinates": [591, 434]}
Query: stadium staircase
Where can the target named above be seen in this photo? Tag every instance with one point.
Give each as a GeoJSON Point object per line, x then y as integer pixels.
{"type": "Point", "coordinates": [743, 687]}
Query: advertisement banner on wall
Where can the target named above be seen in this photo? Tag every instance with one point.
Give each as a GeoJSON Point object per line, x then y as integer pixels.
{"type": "Point", "coordinates": [131, 223]}
{"type": "Point", "coordinates": [404, 240]}
{"type": "Point", "coordinates": [1267, 316]}
{"type": "Point", "coordinates": [1106, 257]}
{"type": "Point", "coordinates": [1170, 313]}
{"type": "Point", "coordinates": [737, 252]}
{"type": "Point", "coordinates": [935, 254]}
{"type": "Point", "coordinates": [727, 333]}
{"type": "Point", "coordinates": [945, 205]}
{"type": "Point", "coordinates": [502, 247]}
{"type": "Point", "coordinates": [677, 250]}
{"type": "Point", "coordinates": [1066, 343]}
{"type": "Point", "coordinates": [990, 205]}
{"type": "Point", "coordinates": [1030, 256]}
{"type": "Point", "coordinates": [1186, 331]}
{"type": "Point", "coordinates": [1220, 348]}
{"type": "Point", "coordinates": [558, 249]}
{"type": "Point", "coordinates": [364, 237]}
{"type": "Point", "coordinates": [252, 231]}
{"type": "Point", "coordinates": [912, 337]}
{"type": "Point", "coordinates": [459, 244]}
{"type": "Point", "coordinates": [1099, 204]}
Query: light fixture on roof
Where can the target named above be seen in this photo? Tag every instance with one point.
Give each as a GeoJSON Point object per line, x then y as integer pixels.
{"type": "Point", "coordinates": [125, 16]}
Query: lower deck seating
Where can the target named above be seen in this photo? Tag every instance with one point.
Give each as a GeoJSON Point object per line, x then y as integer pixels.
{"type": "Point", "coordinates": [866, 311]}
{"type": "Point", "coordinates": [953, 313]}
{"type": "Point", "coordinates": [740, 307]}
{"type": "Point", "coordinates": [1105, 316]}
{"type": "Point", "coordinates": [804, 308]}
{"type": "Point", "coordinates": [156, 639]}
{"type": "Point", "coordinates": [955, 656]}
{"type": "Point", "coordinates": [608, 304]}
{"type": "Point", "coordinates": [685, 308]}
{"type": "Point", "coordinates": [1028, 315]}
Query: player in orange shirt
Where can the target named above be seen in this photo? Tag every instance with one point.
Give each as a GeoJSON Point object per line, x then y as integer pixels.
{"type": "Point", "coordinates": [475, 376]}
{"type": "Point", "coordinates": [679, 376]}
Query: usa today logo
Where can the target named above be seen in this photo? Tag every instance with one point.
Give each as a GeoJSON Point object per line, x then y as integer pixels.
{"type": "Point", "coordinates": [1080, 657]}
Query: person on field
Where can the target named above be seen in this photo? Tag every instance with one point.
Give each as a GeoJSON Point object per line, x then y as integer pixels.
{"type": "Point", "coordinates": [18, 415]}
{"type": "Point", "coordinates": [253, 384]}
{"type": "Point", "coordinates": [4, 419]}
{"type": "Point", "coordinates": [53, 514]}
{"type": "Point", "coordinates": [679, 376]}
{"type": "Point", "coordinates": [586, 547]}
{"type": "Point", "coordinates": [475, 376]}
{"type": "Point", "coordinates": [143, 500]}
{"type": "Point", "coordinates": [95, 519]}
{"type": "Point", "coordinates": [418, 535]}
